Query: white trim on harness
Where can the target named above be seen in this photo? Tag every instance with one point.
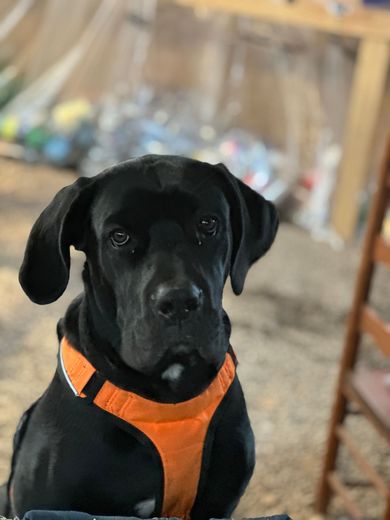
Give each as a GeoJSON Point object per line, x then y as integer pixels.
{"type": "Point", "coordinates": [66, 375]}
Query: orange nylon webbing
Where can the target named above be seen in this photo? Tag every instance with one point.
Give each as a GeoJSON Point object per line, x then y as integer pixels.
{"type": "Point", "coordinates": [178, 431]}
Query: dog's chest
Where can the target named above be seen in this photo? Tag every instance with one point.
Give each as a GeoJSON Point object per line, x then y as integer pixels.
{"type": "Point", "coordinates": [90, 463]}
{"type": "Point", "coordinates": [118, 468]}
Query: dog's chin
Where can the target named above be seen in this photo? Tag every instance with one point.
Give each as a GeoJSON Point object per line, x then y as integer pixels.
{"type": "Point", "coordinates": [181, 376]}
{"type": "Point", "coordinates": [176, 370]}
{"type": "Point", "coordinates": [186, 377]}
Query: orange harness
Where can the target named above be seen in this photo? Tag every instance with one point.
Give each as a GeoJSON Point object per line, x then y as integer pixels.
{"type": "Point", "coordinates": [178, 431]}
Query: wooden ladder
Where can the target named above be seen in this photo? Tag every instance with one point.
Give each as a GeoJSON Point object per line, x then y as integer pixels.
{"type": "Point", "coordinates": [368, 390]}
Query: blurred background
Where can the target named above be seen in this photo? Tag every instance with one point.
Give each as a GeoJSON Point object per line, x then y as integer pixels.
{"type": "Point", "coordinates": [294, 97]}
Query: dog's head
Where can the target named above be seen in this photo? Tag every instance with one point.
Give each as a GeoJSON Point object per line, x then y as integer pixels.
{"type": "Point", "coordinates": [161, 234]}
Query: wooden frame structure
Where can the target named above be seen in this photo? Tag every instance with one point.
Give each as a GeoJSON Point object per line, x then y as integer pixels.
{"type": "Point", "coordinates": [371, 26]}
{"type": "Point", "coordinates": [366, 389]}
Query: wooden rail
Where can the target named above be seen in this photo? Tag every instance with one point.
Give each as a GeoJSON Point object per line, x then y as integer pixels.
{"type": "Point", "coordinates": [376, 328]}
{"type": "Point", "coordinates": [362, 22]}
{"type": "Point", "coordinates": [353, 449]}
{"type": "Point", "coordinates": [339, 488]}
{"type": "Point", "coordinates": [382, 251]}
{"type": "Point", "coordinates": [351, 393]}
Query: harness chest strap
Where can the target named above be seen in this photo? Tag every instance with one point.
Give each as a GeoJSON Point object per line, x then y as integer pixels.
{"type": "Point", "coordinates": [178, 431]}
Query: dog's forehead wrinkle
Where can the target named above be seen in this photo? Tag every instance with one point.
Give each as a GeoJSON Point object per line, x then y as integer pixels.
{"type": "Point", "coordinates": [161, 173]}
{"type": "Point", "coordinates": [167, 177]}
{"type": "Point", "coordinates": [157, 188]}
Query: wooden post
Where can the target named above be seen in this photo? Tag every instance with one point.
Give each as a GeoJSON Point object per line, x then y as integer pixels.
{"type": "Point", "coordinates": [366, 97]}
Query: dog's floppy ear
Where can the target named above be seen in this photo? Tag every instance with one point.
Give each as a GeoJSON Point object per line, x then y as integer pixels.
{"type": "Point", "coordinates": [44, 273]}
{"type": "Point", "coordinates": [254, 222]}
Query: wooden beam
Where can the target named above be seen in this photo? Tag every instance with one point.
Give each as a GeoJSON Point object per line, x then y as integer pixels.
{"type": "Point", "coordinates": [366, 97]}
{"type": "Point", "coordinates": [362, 22]}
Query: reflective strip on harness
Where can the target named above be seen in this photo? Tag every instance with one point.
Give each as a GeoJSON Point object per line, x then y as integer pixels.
{"type": "Point", "coordinates": [178, 431]}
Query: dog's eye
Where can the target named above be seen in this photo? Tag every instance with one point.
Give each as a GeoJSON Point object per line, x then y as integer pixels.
{"type": "Point", "coordinates": [119, 237]}
{"type": "Point", "coordinates": [208, 225]}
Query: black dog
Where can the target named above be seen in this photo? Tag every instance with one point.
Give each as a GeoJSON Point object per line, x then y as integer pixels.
{"type": "Point", "coordinates": [161, 235]}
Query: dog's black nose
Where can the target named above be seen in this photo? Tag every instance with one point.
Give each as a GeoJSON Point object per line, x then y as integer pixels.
{"type": "Point", "coordinates": [177, 302]}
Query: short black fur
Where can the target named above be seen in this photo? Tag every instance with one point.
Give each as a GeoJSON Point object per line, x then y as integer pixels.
{"type": "Point", "coordinates": [153, 302]}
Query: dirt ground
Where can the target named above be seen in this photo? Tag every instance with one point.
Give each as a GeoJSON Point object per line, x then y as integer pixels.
{"type": "Point", "coordinates": [288, 330]}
